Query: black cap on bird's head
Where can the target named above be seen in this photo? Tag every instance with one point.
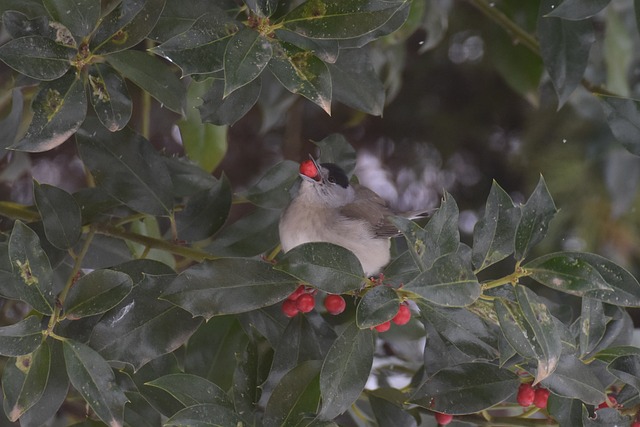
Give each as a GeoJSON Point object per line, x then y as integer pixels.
{"type": "Point", "coordinates": [324, 172]}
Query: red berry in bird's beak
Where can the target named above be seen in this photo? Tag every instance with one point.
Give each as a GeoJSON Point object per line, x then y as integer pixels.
{"type": "Point", "coordinates": [308, 168]}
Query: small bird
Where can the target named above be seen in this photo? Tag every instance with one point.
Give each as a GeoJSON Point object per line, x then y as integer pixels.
{"type": "Point", "coordinates": [327, 208]}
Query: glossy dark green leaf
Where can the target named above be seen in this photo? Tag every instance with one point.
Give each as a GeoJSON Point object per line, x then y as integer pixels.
{"type": "Point", "coordinates": [187, 177]}
{"type": "Point", "coordinates": [127, 167]}
{"type": "Point", "coordinates": [463, 329]}
{"type": "Point", "coordinates": [109, 96]}
{"type": "Point", "coordinates": [326, 50]}
{"type": "Point", "coordinates": [96, 293]}
{"type": "Point", "coordinates": [126, 25]}
{"type": "Point", "coordinates": [466, 388]}
{"type": "Point", "coordinates": [178, 17]}
{"type": "Point", "coordinates": [205, 212]}
{"type": "Point", "coordinates": [10, 124]}
{"type": "Point", "coordinates": [577, 10]}
{"type": "Point", "coordinates": [296, 396]}
{"type": "Point", "coordinates": [191, 390]}
{"type": "Point", "coordinates": [229, 285]}
{"type": "Point", "coordinates": [605, 417]}
{"type": "Point", "coordinates": [336, 149]}
{"type": "Point", "coordinates": [247, 53]}
{"type": "Point", "coordinates": [587, 274]}
{"type": "Point", "coordinates": [387, 412]}
{"type": "Point", "coordinates": [200, 49]}
{"type": "Point", "coordinates": [627, 369]}
{"type": "Point", "coordinates": [529, 328]}
{"type": "Point", "coordinates": [18, 24]}
{"type": "Point", "coordinates": [205, 415]}
{"type": "Point", "coordinates": [449, 282]}
{"type": "Point", "coordinates": [60, 215]}
{"type": "Point", "coordinates": [24, 381]}
{"type": "Point", "coordinates": [326, 266]}
{"type": "Point", "coordinates": [494, 233]}
{"type": "Point", "coordinates": [612, 353]}
{"type": "Point", "coordinates": [37, 57]}
{"type": "Point", "coordinates": [263, 8]}
{"type": "Point", "coordinates": [623, 118]}
{"type": "Point", "coordinates": [221, 110]}
{"type": "Point", "coordinates": [575, 379]}
{"type": "Point", "coordinates": [93, 378]}
{"type": "Point", "coordinates": [251, 235]}
{"type": "Point", "coordinates": [79, 16]}
{"type": "Point", "coordinates": [141, 327]}
{"type": "Point", "coordinates": [272, 190]}
{"type": "Point", "coordinates": [248, 377]}
{"type": "Point", "coordinates": [139, 412]}
{"type": "Point", "coordinates": [592, 324]}
{"type": "Point", "coordinates": [337, 19]}
{"type": "Point", "coordinates": [377, 306]}
{"type": "Point", "coordinates": [564, 410]}
{"type": "Point", "coordinates": [21, 338]}
{"type": "Point", "coordinates": [534, 222]}
{"type": "Point", "coordinates": [54, 393]}
{"type": "Point", "coordinates": [58, 111]}
{"type": "Point", "coordinates": [564, 46]}
{"type": "Point", "coordinates": [31, 265]}
{"type": "Point", "coordinates": [356, 84]}
{"type": "Point", "coordinates": [345, 370]}
{"type": "Point", "coordinates": [302, 73]}
{"type": "Point", "coordinates": [152, 75]}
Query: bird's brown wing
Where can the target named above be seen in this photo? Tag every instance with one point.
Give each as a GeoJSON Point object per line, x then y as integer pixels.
{"type": "Point", "coordinates": [373, 209]}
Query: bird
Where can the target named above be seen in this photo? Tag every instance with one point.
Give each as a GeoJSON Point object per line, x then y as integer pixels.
{"type": "Point", "coordinates": [328, 208]}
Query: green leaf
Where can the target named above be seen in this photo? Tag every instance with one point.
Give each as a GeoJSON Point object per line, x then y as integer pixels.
{"type": "Point", "coordinates": [10, 124]}
{"type": "Point", "coordinates": [37, 57]}
{"type": "Point", "coordinates": [60, 215]}
{"type": "Point", "coordinates": [126, 26]}
{"type": "Point", "coordinates": [263, 8]}
{"type": "Point", "coordinates": [345, 370]}
{"type": "Point", "coordinates": [127, 167]}
{"type": "Point", "coordinates": [205, 415]}
{"type": "Point", "coordinates": [627, 369]}
{"type": "Point", "coordinates": [240, 285]}
{"type": "Point", "coordinates": [79, 16]}
{"type": "Point", "coordinates": [21, 338]}
{"type": "Point", "coordinates": [593, 325]}
{"type": "Point", "coordinates": [152, 76]}
{"type": "Point", "coordinates": [96, 293]}
{"type": "Point", "coordinates": [326, 266]}
{"type": "Point", "coordinates": [494, 233]}
{"type": "Point", "coordinates": [24, 381]}
{"type": "Point", "coordinates": [201, 48]}
{"type": "Point", "coordinates": [534, 222]}
{"type": "Point", "coordinates": [577, 10]}
{"type": "Point", "coordinates": [31, 265]}
{"type": "Point", "coordinates": [93, 378]}
{"type": "Point", "coordinates": [530, 330]}
{"type": "Point", "coordinates": [387, 412]}
{"type": "Point", "coordinates": [564, 46]}
{"type": "Point", "coordinates": [336, 149]}
{"type": "Point", "coordinates": [623, 117]}
{"type": "Point", "coordinates": [58, 111]}
{"type": "Point", "coordinates": [449, 282]}
{"type": "Point", "coordinates": [141, 328]}
{"type": "Point", "coordinates": [221, 110]}
{"type": "Point", "coordinates": [356, 84]}
{"type": "Point", "coordinates": [205, 212]}
{"type": "Point", "coordinates": [575, 379]}
{"type": "Point", "coordinates": [109, 96]}
{"type": "Point", "coordinates": [191, 390]}
{"type": "Point", "coordinates": [466, 388]}
{"type": "Point", "coordinates": [187, 177]}
{"type": "Point", "coordinates": [246, 55]}
{"type": "Point", "coordinates": [336, 19]}
{"type": "Point", "coordinates": [610, 354]}
{"type": "Point", "coordinates": [565, 411]}
{"type": "Point", "coordinates": [295, 397]}
{"type": "Point", "coordinates": [605, 417]}
{"type": "Point", "coordinates": [272, 190]}
{"type": "Point", "coordinates": [326, 50]}
{"type": "Point", "coordinates": [378, 305]}
{"type": "Point", "coordinates": [588, 275]}
{"type": "Point", "coordinates": [302, 73]}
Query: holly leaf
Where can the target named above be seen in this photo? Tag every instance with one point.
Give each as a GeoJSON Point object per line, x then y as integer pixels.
{"type": "Point", "coordinates": [60, 215]}
{"type": "Point", "coordinates": [109, 96]}
{"type": "Point", "coordinates": [247, 53]}
{"type": "Point", "coordinates": [37, 57]}
{"type": "Point", "coordinates": [79, 16]}
{"type": "Point", "coordinates": [534, 222]}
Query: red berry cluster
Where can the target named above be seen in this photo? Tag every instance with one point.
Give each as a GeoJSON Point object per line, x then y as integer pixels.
{"type": "Point", "coordinates": [402, 317]}
{"type": "Point", "coordinates": [528, 395]}
{"type": "Point", "coordinates": [443, 419]}
{"type": "Point", "coordinates": [303, 300]}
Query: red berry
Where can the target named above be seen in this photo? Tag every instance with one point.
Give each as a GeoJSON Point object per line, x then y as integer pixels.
{"type": "Point", "coordinates": [443, 419]}
{"type": "Point", "coordinates": [289, 308]}
{"type": "Point", "coordinates": [403, 316]}
{"type": "Point", "coordinates": [383, 327]}
{"type": "Point", "coordinates": [613, 402]}
{"type": "Point", "coordinates": [526, 395]}
{"type": "Point", "coordinates": [296, 294]}
{"type": "Point", "coordinates": [541, 397]}
{"type": "Point", "coordinates": [334, 304]}
{"type": "Point", "coordinates": [305, 303]}
{"type": "Point", "coordinates": [635, 424]}
{"type": "Point", "coordinates": [308, 168]}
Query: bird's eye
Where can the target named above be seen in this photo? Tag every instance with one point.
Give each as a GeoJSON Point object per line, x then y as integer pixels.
{"type": "Point", "coordinates": [332, 180]}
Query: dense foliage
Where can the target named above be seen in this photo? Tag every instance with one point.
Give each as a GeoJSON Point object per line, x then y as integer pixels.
{"type": "Point", "coordinates": [141, 304]}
